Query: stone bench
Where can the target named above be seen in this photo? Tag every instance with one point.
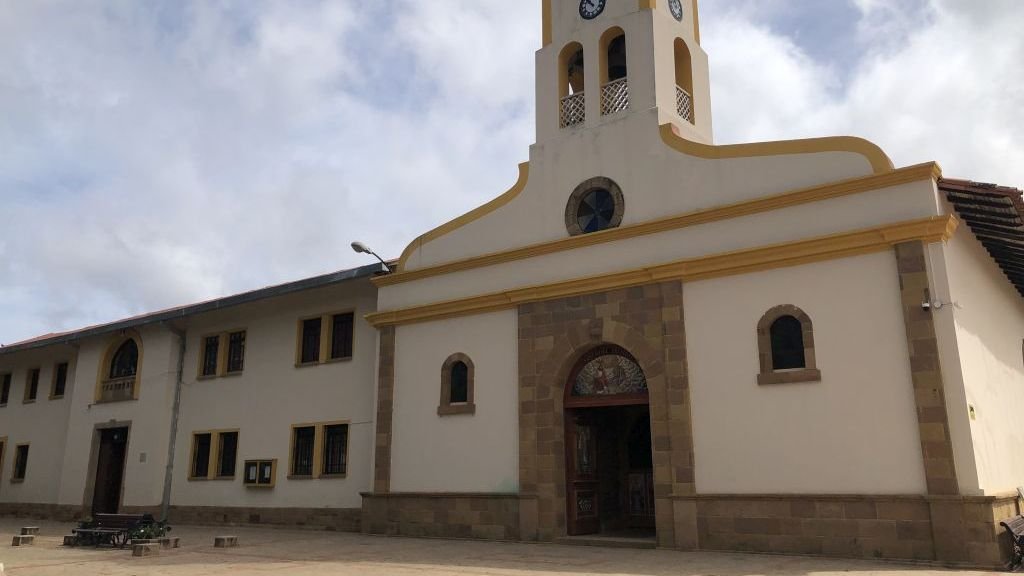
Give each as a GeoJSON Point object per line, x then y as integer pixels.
{"type": "Point", "coordinates": [225, 542]}
{"type": "Point", "coordinates": [168, 543]}
{"type": "Point", "coordinates": [140, 550]}
{"type": "Point", "coordinates": [30, 531]}
{"type": "Point", "coordinates": [71, 541]}
{"type": "Point", "coordinates": [24, 540]}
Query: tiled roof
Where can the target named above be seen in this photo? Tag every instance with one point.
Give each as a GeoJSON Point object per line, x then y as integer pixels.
{"type": "Point", "coordinates": [995, 215]}
{"type": "Point", "coordinates": [193, 309]}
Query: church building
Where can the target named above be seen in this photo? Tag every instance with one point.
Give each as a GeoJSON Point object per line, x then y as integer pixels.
{"type": "Point", "coordinates": [786, 347]}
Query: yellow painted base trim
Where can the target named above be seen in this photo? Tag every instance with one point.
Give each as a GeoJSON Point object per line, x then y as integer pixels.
{"type": "Point", "coordinates": [476, 214]}
{"type": "Point", "coordinates": [934, 229]}
{"type": "Point", "coordinates": [739, 209]}
{"type": "Point", "coordinates": [880, 162]}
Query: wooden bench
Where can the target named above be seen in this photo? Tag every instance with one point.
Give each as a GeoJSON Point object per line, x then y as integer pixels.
{"type": "Point", "coordinates": [1015, 528]}
{"type": "Point", "coordinates": [110, 529]}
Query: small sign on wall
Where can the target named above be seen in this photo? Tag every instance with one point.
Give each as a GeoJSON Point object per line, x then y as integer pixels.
{"type": "Point", "coordinates": [260, 473]}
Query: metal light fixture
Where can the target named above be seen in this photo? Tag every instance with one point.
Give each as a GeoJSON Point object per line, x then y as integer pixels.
{"type": "Point", "coordinates": [361, 248]}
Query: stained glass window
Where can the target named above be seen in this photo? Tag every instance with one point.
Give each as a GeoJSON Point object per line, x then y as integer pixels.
{"type": "Point", "coordinates": [607, 371]}
{"type": "Point", "coordinates": [125, 363]}
{"type": "Point", "coordinates": [596, 211]}
{"type": "Point", "coordinates": [787, 344]}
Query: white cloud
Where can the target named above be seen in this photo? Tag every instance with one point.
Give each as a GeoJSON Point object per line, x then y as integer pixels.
{"type": "Point", "coordinates": [157, 153]}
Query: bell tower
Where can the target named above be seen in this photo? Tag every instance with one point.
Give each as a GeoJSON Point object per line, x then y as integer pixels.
{"type": "Point", "coordinates": [604, 60]}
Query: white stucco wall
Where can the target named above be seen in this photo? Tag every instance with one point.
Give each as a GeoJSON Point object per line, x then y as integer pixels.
{"type": "Point", "coordinates": [468, 453]}
{"type": "Point", "coordinates": [148, 419]}
{"type": "Point", "coordinates": [989, 325]}
{"type": "Point", "coordinates": [41, 424]}
{"type": "Point", "coordinates": [848, 213]}
{"type": "Point", "coordinates": [272, 394]}
{"type": "Point", "coordinates": [855, 432]}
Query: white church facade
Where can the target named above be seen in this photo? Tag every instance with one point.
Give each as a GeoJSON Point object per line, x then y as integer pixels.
{"type": "Point", "coordinates": [790, 347]}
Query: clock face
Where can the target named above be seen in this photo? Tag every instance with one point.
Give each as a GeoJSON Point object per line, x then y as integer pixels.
{"type": "Point", "coordinates": [676, 6]}
{"type": "Point", "coordinates": [590, 9]}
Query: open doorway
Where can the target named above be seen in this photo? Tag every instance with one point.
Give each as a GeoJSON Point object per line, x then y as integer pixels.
{"type": "Point", "coordinates": [110, 461]}
{"type": "Point", "coordinates": [609, 463]}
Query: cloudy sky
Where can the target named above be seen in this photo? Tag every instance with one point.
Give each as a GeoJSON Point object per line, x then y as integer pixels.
{"type": "Point", "coordinates": [159, 152]}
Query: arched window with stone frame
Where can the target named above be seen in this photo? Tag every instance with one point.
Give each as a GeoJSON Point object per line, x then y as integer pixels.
{"type": "Point", "coordinates": [457, 386]}
{"type": "Point", "coordinates": [785, 342]}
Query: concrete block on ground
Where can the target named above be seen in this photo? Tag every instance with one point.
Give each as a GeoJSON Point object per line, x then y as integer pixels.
{"type": "Point", "coordinates": [145, 550]}
{"type": "Point", "coordinates": [225, 542]}
{"type": "Point", "coordinates": [30, 531]}
{"type": "Point", "coordinates": [23, 540]}
{"type": "Point", "coordinates": [71, 540]}
{"type": "Point", "coordinates": [168, 543]}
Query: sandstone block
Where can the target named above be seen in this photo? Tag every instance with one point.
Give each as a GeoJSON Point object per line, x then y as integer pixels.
{"type": "Point", "coordinates": [23, 540]}
{"type": "Point", "coordinates": [140, 550]}
{"type": "Point", "coordinates": [225, 542]}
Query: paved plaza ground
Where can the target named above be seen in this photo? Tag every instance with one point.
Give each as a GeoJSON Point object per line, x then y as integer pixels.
{"type": "Point", "coordinates": [315, 553]}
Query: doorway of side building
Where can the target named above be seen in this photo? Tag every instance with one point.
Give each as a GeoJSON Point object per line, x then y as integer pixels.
{"type": "Point", "coordinates": [609, 464]}
{"type": "Point", "coordinates": [110, 461]}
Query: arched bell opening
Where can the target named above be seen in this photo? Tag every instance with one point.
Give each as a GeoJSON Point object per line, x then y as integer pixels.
{"type": "Point", "coordinates": [684, 81]}
{"type": "Point", "coordinates": [614, 72]}
{"type": "Point", "coordinates": [571, 82]}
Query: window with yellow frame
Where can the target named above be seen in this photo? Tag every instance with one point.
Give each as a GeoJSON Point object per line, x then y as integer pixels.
{"type": "Point", "coordinates": [214, 455]}
{"type": "Point", "coordinates": [325, 338]}
{"type": "Point", "coordinates": [222, 354]}
{"type": "Point", "coordinates": [318, 450]}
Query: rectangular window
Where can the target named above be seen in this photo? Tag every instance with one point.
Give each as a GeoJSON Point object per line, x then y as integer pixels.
{"type": "Point", "coordinates": [3, 449]}
{"type": "Point", "coordinates": [211, 349]}
{"type": "Point", "coordinates": [335, 449]}
{"type": "Point", "coordinates": [201, 455]}
{"type": "Point", "coordinates": [302, 450]}
{"type": "Point", "coordinates": [236, 352]}
{"type": "Point", "coordinates": [310, 352]}
{"type": "Point", "coordinates": [20, 463]}
{"type": "Point", "coordinates": [32, 385]}
{"type": "Point", "coordinates": [227, 452]}
{"type": "Point", "coordinates": [60, 380]}
{"type": "Point", "coordinates": [5, 389]}
{"type": "Point", "coordinates": [341, 335]}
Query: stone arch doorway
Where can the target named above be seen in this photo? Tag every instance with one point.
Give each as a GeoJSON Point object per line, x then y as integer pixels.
{"type": "Point", "coordinates": [608, 450]}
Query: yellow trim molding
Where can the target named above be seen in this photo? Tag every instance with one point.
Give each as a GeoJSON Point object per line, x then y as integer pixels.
{"type": "Point", "coordinates": [696, 22]}
{"type": "Point", "coordinates": [476, 214]}
{"type": "Point", "coordinates": [933, 229]}
{"type": "Point", "coordinates": [746, 208]}
{"type": "Point", "coordinates": [880, 162]}
{"type": "Point", "coordinates": [546, 30]}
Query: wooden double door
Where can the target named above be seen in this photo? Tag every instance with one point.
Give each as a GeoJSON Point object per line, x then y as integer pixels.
{"type": "Point", "coordinates": [609, 470]}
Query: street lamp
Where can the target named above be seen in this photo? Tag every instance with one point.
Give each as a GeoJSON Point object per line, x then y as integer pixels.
{"type": "Point", "coordinates": [361, 248]}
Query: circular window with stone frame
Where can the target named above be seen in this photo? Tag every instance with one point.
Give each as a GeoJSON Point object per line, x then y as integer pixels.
{"type": "Point", "coordinates": [595, 205]}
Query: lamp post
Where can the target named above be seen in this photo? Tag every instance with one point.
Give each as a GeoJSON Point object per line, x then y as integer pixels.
{"type": "Point", "coordinates": [361, 248]}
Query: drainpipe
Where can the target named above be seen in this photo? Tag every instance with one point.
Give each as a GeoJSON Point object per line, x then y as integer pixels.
{"type": "Point", "coordinates": [165, 503]}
